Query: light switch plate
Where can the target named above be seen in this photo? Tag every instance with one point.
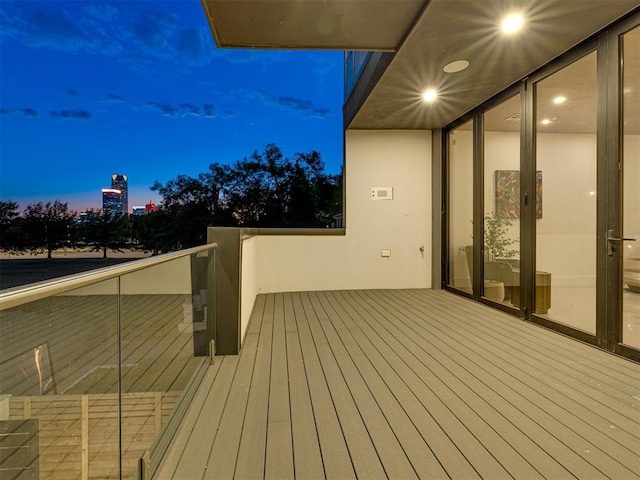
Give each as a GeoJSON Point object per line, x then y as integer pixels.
{"type": "Point", "coordinates": [381, 193]}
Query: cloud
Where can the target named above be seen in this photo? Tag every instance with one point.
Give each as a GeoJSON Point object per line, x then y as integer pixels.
{"type": "Point", "coordinates": [166, 109]}
{"type": "Point", "coordinates": [322, 64]}
{"type": "Point", "coordinates": [295, 104]}
{"type": "Point", "coordinates": [78, 114]}
{"type": "Point", "coordinates": [113, 98]}
{"type": "Point", "coordinates": [30, 112]}
{"type": "Point", "coordinates": [153, 30]}
{"type": "Point", "coordinates": [105, 13]}
{"type": "Point", "coordinates": [147, 41]}
{"type": "Point", "coordinates": [26, 112]}
{"type": "Point", "coordinates": [54, 30]}
{"type": "Point", "coordinates": [190, 108]}
{"type": "Point", "coordinates": [245, 56]}
{"type": "Point", "coordinates": [320, 112]}
{"type": "Point", "coordinates": [206, 110]}
{"type": "Point", "coordinates": [229, 114]}
{"type": "Point", "coordinates": [194, 46]}
{"type": "Point", "coordinates": [209, 110]}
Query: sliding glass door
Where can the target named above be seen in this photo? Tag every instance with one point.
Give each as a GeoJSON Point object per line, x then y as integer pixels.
{"type": "Point", "coordinates": [460, 174]}
{"type": "Point", "coordinates": [543, 195]}
{"type": "Point", "coordinates": [501, 212]}
{"type": "Point", "coordinates": [566, 194]}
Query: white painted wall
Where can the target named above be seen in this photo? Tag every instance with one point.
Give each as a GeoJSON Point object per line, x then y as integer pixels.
{"type": "Point", "coordinates": [249, 281]}
{"type": "Point", "coordinates": [398, 159]}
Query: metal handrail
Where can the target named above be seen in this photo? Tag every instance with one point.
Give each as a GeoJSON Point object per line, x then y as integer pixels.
{"type": "Point", "coordinates": [36, 291]}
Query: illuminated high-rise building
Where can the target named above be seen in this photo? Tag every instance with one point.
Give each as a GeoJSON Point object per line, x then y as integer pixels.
{"type": "Point", "coordinates": [119, 182]}
{"type": "Point", "coordinates": [111, 201]}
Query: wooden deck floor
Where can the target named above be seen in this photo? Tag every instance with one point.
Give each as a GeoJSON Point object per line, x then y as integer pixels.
{"type": "Point", "coordinates": [407, 384]}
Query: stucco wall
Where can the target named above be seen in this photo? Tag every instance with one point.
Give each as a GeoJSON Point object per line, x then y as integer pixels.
{"type": "Point", "coordinates": [397, 159]}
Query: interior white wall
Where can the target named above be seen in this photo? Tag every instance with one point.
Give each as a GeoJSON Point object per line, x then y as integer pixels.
{"type": "Point", "coordinates": [631, 171]}
{"type": "Point", "coordinates": [566, 233]}
{"type": "Point", "coordinates": [398, 159]}
{"type": "Point", "coordinates": [460, 204]}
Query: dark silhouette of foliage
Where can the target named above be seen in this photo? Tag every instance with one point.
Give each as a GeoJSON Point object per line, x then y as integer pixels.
{"type": "Point", "coordinates": [103, 231]}
{"type": "Point", "coordinates": [264, 190]}
{"type": "Point", "coordinates": [10, 223]}
{"type": "Point", "coordinates": [47, 226]}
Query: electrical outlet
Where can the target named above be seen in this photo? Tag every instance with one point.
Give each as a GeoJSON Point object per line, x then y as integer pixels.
{"type": "Point", "coordinates": [385, 253]}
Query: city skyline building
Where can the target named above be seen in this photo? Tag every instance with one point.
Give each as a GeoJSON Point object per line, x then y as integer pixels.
{"type": "Point", "coordinates": [137, 210]}
{"type": "Point", "coordinates": [119, 181]}
{"type": "Point", "coordinates": [111, 200]}
{"type": "Point", "coordinates": [150, 207]}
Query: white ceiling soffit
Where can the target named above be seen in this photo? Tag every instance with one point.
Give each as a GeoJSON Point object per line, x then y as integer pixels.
{"type": "Point", "coordinates": [450, 30]}
{"type": "Point", "coordinates": [312, 24]}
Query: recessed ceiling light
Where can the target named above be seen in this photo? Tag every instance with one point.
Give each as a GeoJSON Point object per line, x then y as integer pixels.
{"type": "Point", "coordinates": [512, 23]}
{"type": "Point", "coordinates": [560, 99]}
{"type": "Point", "coordinates": [457, 66]}
{"type": "Point", "coordinates": [429, 95]}
{"type": "Point", "coordinates": [546, 121]}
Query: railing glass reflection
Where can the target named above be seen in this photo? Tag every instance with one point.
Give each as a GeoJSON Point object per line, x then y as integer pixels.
{"type": "Point", "coordinates": [90, 376]}
{"type": "Point", "coordinates": [354, 63]}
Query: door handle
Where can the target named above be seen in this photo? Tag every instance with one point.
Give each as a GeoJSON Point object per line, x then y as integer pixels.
{"type": "Point", "coordinates": [611, 238]}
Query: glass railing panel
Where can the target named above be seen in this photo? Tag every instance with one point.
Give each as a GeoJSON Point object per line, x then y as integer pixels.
{"type": "Point", "coordinates": [354, 63]}
{"type": "Point", "coordinates": [163, 312]}
{"type": "Point", "coordinates": [58, 384]}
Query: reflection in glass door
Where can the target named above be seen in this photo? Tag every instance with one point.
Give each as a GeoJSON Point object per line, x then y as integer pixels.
{"type": "Point", "coordinates": [460, 171]}
{"type": "Point", "coordinates": [630, 188]}
{"type": "Point", "coordinates": [502, 203]}
{"type": "Point", "coordinates": [566, 160]}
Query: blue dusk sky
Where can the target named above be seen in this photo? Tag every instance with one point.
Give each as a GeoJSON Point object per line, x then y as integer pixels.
{"type": "Point", "coordinates": [91, 88]}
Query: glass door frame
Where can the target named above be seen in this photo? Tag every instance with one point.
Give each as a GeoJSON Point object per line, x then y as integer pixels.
{"type": "Point", "coordinates": [477, 117]}
{"type": "Point", "coordinates": [528, 188]}
{"type": "Point", "coordinates": [607, 44]}
{"type": "Point", "coordinates": [612, 320]}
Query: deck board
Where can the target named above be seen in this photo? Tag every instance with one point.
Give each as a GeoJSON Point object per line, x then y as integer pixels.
{"type": "Point", "coordinates": [335, 455]}
{"type": "Point", "coordinates": [251, 454]}
{"type": "Point", "coordinates": [406, 384]}
{"type": "Point", "coordinates": [308, 459]}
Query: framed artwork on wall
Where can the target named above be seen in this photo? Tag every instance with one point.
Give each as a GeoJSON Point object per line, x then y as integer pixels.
{"type": "Point", "coordinates": [507, 193]}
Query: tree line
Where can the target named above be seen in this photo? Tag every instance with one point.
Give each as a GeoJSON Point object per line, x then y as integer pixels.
{"type": "Point", "coordinates": [265, 189]}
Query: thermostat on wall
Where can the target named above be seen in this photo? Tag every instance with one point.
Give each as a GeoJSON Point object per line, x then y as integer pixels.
{"type": "Point", "coordinates": [382, 193]}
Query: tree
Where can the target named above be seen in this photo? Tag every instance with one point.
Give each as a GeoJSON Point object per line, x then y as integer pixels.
{"type": "Point", "coordinates": [269, 190]}
{"type": "Point", "coordinates": [10, 238]}
{"type": "Point", "coordinates": [47, 226]}
{"type": "Point", "coordinates": [264, 190]}
{"type": "Point", "coordinates": [190, 205]}
{"type": "Point", "coordinates": [103, 231]}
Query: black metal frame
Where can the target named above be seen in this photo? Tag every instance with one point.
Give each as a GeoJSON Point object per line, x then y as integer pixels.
{"type": "Point", "coordinates": [608, 336]}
